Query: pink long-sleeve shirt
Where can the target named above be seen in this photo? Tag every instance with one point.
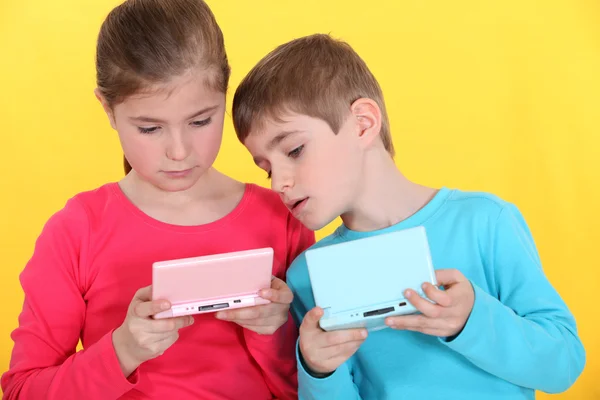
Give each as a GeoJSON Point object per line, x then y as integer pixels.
{"type": "Point", "coordinates": [91, 258]}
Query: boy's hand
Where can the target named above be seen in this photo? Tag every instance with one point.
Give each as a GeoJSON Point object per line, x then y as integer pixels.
{"type": "Point", "coordinates": [448, 317]}
{"type": "Point", "coordinates": [324, 352]}
{"type": "Point", "coordinates": [264, 319]}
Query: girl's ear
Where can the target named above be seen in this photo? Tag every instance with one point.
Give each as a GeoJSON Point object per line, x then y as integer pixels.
{"type": "Point", "coordinates": [106, 107]}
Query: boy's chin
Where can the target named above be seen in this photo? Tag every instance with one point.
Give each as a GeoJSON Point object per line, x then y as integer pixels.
{"type": "Point", "coordinates": [315, 224]}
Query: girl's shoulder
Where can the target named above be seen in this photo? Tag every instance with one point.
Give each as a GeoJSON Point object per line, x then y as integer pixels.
{"type": "Point", "coordinates": [263, 198]}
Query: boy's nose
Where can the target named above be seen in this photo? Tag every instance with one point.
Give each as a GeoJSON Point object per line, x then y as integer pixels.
{"type": "Point", "coordinates": [281, 182]}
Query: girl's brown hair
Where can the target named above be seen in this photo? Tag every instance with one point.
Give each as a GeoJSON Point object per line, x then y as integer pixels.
{"type": "Point", "coordinates": [147, 42]}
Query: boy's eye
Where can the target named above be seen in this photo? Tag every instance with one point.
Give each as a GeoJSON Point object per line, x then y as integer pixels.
{"type": "Point", "coordinates": [296, 152]}
{"type": "Point", "coordinates": [151, 129]}
{"type": "Point", "coordinates": [202, 123]}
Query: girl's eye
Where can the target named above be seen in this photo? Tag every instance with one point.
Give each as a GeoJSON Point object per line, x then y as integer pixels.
{"type": "Point", "coordinates": [268, 174]}
{"type": "Point", "coordinates": [151, 129]}
{"type": "Point", "coordinates": [296, 152]}
{"type": "Point", "coordinates": [202, 123]}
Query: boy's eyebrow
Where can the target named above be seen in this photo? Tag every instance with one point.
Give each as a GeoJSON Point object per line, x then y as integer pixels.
{"type": "Point", "coordinates": [142, 118]}
{"type": "Point", "coordinates": [280, 137]}
{"type": "Point", "coordinates": [275, 141]}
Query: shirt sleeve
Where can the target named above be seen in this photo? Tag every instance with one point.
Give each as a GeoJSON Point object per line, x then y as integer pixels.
{"type": "Point", "coordinates": [527, 335]}
{"type": "Point", "coordinates": [275, 353]}
{"type": "Point", "coordinates": [44, 362]}
{"type": "Point", "coordinates": [276, 358]}
{"type": "Point", "coordinates": [299, 238]}
{"type": "Point", "coordinates": [339, 385]}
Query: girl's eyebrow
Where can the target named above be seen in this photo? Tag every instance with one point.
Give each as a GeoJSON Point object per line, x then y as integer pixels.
{"type": "Point", "coordinates": [142, 118]}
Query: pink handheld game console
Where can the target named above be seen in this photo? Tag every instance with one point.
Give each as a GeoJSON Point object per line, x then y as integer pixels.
{"type": "Point", "coordinates": [211, 283]}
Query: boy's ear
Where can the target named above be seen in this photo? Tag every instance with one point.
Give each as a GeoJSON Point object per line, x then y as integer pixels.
{"type": "Point", "coordinates": [106, 107]}
{"type": "Point", "coordinates": [368, 118]}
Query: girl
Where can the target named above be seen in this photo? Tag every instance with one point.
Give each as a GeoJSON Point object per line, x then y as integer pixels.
{"type": "Point", "coordinates": [162, 75]}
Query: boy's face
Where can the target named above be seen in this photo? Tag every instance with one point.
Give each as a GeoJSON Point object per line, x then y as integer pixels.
{"type": "Point", "coordinates": [316, 172]}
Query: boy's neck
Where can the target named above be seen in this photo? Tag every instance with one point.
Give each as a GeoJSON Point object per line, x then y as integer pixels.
{"type": "Point", "coordinates": [386, 197]}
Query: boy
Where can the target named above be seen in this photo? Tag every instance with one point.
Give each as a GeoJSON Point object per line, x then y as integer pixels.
{"type": "Point", "coordinates": [313, 116]}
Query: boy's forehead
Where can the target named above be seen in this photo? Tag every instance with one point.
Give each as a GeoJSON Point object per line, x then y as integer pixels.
{"type": "Point", "coordinates": [270, 131]}
{"type": "Point", "coordinates": [272, 125]}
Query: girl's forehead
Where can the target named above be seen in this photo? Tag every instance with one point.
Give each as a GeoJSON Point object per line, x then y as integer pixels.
{"type": "Point", "coordinates": [179, 103]}
{"type": "Point", "coordinates": [196, 81]}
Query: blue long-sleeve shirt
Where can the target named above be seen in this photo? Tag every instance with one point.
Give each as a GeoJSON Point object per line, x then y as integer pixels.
{"type": "Point", "coordinates": [520, 336]}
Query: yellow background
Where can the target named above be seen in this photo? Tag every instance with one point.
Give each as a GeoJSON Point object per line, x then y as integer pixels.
{"type": "Point", "coordinates": [500, 96]}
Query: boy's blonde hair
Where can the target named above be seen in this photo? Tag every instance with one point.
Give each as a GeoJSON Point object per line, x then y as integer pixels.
{"type": "Point", "coordinates": [314, 75]}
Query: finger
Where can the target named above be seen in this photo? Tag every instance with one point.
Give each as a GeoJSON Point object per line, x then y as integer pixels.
{"type": "Point", "coordinates": [255, 328]}
{"type": "Point", "coordinates": [441, 297]}
{"type": "Point", "coordinates": [279, 292]}
{"type": "Point", "coordinates": [449, 277]}
{"type": "Point", "coordinates": [422, 305]}
{"type": "Point", "coordinates": [337, 338]}
{"type": "Point", "coordinates": [417, 323]}
{"type": "Point", "coordinates": [170, 324]}
{"type": "Point", "coordinates": [144, 294]}
{"type": "Point", "coordinates": [167, 342]}
{"type": "Point", "coordinates": [341, 351]}
{"type": "Point", "coordinates": [425, 331]}
{"type": "Point", "coordinates": [264, 326]}
{"type": "Point", "coordinates": [335, 362]}
{"type": "Point", "coordinates": [267, 321]}
{"type": "Point", "coordinates": [148, 308]}
{"type": "Point", "coordinates": [311, 319]}
{"type": "Point", "coordinates": [249, 313]}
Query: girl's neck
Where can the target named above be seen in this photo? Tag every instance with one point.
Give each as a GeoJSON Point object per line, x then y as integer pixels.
{"type": "Point", "coordinates": [212, 197]}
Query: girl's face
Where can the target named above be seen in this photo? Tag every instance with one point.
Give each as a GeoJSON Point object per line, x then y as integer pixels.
{"type": "Point", "coordinates": [171, 134]}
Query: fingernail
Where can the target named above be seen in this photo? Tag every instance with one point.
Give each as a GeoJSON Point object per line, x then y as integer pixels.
{"type": "Point", "coordinates": [191, 321]}
{"type": "Point", "coordinates": [266, 293]}
{"type": "Point", "coordinates": [363, 334]}
{"type": "Point", "coordinates": [219, 315]}
{"type": "Point", "coordinates": [408, 293]}
{"type": "Point", "coordinates": [164, 306]}
{"type": "Point", "coordinates": [389, 323]}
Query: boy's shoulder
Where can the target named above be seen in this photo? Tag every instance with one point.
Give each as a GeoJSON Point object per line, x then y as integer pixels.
{"type": "Point", "coordinates": [480, 200]}
{"type": "Point", "coordinates": [470, 205]}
